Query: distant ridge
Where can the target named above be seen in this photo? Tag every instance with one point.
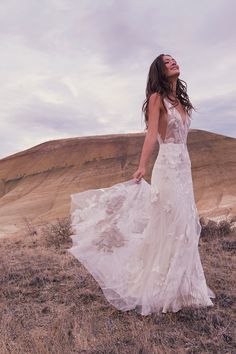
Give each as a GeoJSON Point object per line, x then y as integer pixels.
{"type": "Point", "coordinates": [36, 183]}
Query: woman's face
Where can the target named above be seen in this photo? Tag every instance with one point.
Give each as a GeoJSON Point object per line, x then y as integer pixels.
{"type": "Point", "coordinates": [171, 66]}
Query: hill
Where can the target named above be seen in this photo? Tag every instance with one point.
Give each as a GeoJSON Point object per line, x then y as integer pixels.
{"type": "Point", "coordinates": [36, 184]}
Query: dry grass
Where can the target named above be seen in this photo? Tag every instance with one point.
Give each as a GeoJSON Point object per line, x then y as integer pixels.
{"type": "Point", "coordinates": [50, 304]}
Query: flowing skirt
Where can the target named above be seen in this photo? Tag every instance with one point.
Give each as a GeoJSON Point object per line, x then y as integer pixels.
{"type": "Point", "coordinates": [140, 240]}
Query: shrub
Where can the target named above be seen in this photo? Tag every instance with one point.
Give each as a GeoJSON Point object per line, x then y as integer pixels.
{"type": "Point", "coordinates": [224, 228]}
{"type": "Point", "coordinates": [213, 228]}
{"type": "Point", "coordinates": [209, 229]}
{"type": "Point", "coordinates": [57, 234]}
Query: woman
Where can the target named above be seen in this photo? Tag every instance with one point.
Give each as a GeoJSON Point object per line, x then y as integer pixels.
{"type": "Point", "coordinates": [140, 241]}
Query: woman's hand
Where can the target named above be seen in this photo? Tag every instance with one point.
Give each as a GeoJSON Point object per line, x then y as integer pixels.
{"type": "Point", "coordinates": [141, 171]}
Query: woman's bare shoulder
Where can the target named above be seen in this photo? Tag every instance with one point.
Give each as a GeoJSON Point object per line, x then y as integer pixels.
{"type": "Point", "coordinates": [155, 96]}
{"type": "Point", "coordinates": [156, 100]}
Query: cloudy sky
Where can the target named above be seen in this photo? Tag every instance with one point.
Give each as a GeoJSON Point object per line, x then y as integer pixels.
{"type": "Point", "coordinates": [79, 67]}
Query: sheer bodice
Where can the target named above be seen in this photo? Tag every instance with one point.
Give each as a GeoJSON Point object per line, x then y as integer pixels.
{"type": "Point", "coordinates": [177, 126]}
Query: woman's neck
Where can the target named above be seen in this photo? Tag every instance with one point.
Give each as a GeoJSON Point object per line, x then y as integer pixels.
{"type": "Point", "coordinates": [173, 84]}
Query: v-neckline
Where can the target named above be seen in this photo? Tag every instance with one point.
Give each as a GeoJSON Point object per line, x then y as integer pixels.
{"type": "Point", "coordinates": [184, 121]}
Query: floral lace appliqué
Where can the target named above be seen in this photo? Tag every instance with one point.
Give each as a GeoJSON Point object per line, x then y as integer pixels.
{"type": "Point", "coordinates": [114, 204]}
{"type": "Point", "coordinates": [109, 239]}
{"type": "Point", "coordinates": [168, 207]}
{"type": "Point", "coordinates": [154, 194]}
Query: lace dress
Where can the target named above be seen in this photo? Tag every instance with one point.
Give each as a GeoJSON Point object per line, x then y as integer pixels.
{"type": "Point", "coordinates": [140, 240]}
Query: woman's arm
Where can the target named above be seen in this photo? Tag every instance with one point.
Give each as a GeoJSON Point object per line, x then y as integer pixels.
{"type": "Point", "coordinates": [150, 140]}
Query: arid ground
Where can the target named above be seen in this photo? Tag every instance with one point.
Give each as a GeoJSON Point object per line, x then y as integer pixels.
{"type": "Point", "coordinates": [50, 304]}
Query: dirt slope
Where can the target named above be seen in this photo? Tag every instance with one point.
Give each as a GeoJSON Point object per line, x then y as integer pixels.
{"type": "Point", "coordinates": [36, 183]}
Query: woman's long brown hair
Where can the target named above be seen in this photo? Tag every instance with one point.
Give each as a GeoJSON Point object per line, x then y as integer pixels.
{"type": "Point", "coordinates": [157, 82]}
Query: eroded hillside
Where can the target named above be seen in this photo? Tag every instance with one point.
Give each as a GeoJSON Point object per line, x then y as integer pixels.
{"type": "Point", "coordinates": [36, 184]}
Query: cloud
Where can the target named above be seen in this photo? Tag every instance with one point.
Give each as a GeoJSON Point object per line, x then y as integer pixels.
{"type": "Point", "coordinates": [217, 114]}
{"type": "Point", "coordinates": [74, 68]}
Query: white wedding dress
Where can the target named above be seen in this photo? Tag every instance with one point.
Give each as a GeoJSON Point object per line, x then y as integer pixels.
{"type": "Point", "coordinates": [140, 240]}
